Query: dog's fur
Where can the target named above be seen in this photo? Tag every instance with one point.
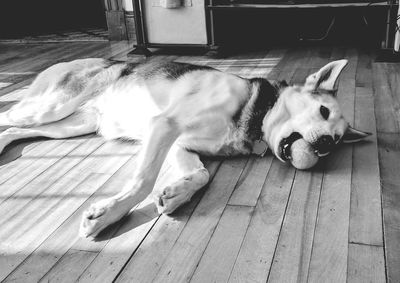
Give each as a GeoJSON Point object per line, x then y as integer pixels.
{"type": "Point", "coordinates": [179, 110]}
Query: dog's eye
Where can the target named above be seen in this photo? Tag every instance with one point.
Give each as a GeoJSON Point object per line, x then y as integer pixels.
{"type": "Point", "coordinates": [324, 112]}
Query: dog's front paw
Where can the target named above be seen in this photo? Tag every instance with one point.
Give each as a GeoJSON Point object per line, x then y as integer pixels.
{"type": "Point", "coordinates": [171, 197]}
{"type": "Point", "coordinates": [99, 216]}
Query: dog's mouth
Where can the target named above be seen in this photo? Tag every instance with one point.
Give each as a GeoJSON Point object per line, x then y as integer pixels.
{"type": "Point", "coordinates": [322, 146]}
{"type": "Point", "coordinates": [286, 144]}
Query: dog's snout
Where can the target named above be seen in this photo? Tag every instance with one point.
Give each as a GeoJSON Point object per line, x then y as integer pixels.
{"type": "Point", "coordinates": [324, 144]}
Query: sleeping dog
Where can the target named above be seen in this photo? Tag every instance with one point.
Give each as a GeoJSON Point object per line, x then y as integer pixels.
{"type": "Point", "coordinates": [178, 111]}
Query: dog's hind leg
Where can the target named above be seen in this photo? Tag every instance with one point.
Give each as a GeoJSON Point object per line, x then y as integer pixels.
{"type": "Point", "coordinates": [162, 134]}
{"type": "Point", "coordinates": [193, 176]}
{"type": "Point", "coordinates": [79, 123]}
{"type": "Point", "coordinates": [37, 111]}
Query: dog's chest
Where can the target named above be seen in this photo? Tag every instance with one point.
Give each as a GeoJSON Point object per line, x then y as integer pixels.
{"type": "Point", "coordinates": [220, 137]}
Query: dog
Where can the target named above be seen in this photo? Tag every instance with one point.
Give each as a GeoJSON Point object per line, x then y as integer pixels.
{"type": "Point", "coordinates": [178, 110]}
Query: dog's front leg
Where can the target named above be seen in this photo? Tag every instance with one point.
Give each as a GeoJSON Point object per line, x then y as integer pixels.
{"type": "Point", "coordinates": [192, 176]}
{"type": "Point", "coordinates": [163, 133]}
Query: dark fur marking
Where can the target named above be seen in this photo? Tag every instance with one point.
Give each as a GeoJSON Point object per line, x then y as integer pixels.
{"type": "Point", "coordinates": [169, 70]}
{"type": "Point", "coordinates": [110, 63]}
{"type": "Point", "coordinates": [175, 70]}
{"type": "Point", "coordinates": [93, 73]}
{"type": "Point", "coordinates": [65, 80]}
{"type": "Point", "coordinates": [188, 178]}
{"type": "Point", "coordinates": [252, 114]}
{"type": "Point", "coordinates": [127, 70]}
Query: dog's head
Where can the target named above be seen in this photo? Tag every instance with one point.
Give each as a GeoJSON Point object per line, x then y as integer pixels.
{"type": "Point", "coordinates": [311, 112]}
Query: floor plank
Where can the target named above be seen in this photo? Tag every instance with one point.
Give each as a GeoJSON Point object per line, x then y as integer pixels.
{"type": "Point", "coordinates": [389, 152]}
{"type": "Point", "coordinates": [258, 247]}
{"type": "Point", "coordinates": [251, 182]}
{"type": "Point", "coordinates": [386, 118]}
{"type": "Point", "coordinates": [365, 210]}
{"type": "Point", "coordinates": [218, 259]}
{"type": "Point", "coordinates": [366, 264]}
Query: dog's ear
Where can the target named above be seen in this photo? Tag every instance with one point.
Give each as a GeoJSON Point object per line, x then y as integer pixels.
{"type": "Point", "coordinates": [326, 77]}
{"type": "Point", "coordinates": [353, 135]}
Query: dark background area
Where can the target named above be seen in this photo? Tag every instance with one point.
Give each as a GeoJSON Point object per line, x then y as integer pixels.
{"type": "Point", "coordinates": [34, 17]}
{"type": "Point", "coordinates": [235, 29]}
{"type": "Point", "coordinates": [244, 28]}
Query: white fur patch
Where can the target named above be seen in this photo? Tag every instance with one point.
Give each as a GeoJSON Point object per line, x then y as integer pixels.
{"type": "Point", "coordinates": [125, 111]}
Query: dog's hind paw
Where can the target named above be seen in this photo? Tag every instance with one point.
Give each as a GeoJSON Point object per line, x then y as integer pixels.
{"type": "Point", "coordinates": [99, 216]}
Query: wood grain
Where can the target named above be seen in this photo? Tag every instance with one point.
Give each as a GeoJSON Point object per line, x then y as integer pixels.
{"type": "Point", "coordinates": [251, 182]}
{"type": "Point", "coordinates": [386, 118]}
{"type": "Point", "coordinates": [389, 156]}
{"type": "Point", "coordinates": [366, 264]}
{"type": "Point", "coordinates": [218, 259]}
{"type": "Point", "coordinates": [258, 247]}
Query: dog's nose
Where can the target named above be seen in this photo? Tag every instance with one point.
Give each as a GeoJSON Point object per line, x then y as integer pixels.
{"type": "Point", "coordinates": [324, 144]}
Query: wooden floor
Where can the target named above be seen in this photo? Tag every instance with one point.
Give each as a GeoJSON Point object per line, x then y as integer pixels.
{"type": "Point", "coordinates": [258, 220]}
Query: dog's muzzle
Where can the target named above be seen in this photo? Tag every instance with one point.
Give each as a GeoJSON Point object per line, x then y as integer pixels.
{"type": "Point", "coordinates": [324, 145]}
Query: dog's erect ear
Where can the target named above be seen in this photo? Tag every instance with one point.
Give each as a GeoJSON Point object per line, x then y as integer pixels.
{"type": "Point", "coordinates": [327, 76]}
{"type": "Point", "coordinates": [353, 135]}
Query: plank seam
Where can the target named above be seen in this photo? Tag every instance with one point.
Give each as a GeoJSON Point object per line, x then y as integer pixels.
{"type": "Point", "coordinates": [316, 222]}
{"type": "Point", "coordinates": [364, 244]}
{"type": "Point", "coordinates": [82, 250]}
{"type": "Point", "coordinates": [133, 252]}
{"type": "Point", "coordinates": [387, 133]}
{"type": "Point", "coordinates": [378, 133]}
{"type": "Point", "coordinates": [241, 205]}
{"type": "Point", "coordinates": [280, 228]}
